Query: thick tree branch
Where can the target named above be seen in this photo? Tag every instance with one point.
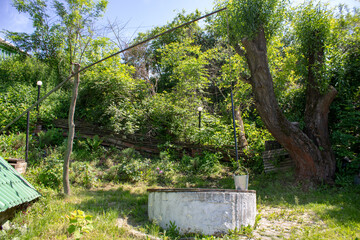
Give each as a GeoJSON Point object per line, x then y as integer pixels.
{"type": "Point", "coordinates": [327, 99]}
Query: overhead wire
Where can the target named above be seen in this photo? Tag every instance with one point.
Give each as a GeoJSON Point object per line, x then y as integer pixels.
{"type": "Point", "coordinates": [105, 58]}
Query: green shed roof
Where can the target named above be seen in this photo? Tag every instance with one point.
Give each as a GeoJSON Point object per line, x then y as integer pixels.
{"type": "Point", "coordinates": [14, 189]}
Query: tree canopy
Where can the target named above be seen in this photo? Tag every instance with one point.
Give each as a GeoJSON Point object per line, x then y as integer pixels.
{"type": "Point", "coordinates": [284, 65]}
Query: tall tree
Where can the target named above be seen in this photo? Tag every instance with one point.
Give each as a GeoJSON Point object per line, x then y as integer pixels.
{"type": "Point", "coordinates": [76, 18]}
{"type": "Point", "coordinates": [160, 74]}
{"type": "Point", "coordinates": [252, 23]}
{"type": "Point", "coordinates": [59, 38]}
{"type": "Point", "coordinates": [70, 34]}
{"type": "Point", "coordinates": [46, 40]}
{"type": "Point", "coordinates": [71, 134]}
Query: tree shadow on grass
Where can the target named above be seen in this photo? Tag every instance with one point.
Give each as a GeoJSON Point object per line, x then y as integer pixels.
{"type": "Point", "coordinates": [341, 204]}
{"type": "Point", "coordinates": [126, 203]}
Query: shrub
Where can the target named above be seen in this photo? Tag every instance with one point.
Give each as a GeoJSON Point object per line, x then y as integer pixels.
{"type": "Point", "coordinates": [164, 169]}
{"type": "Point", "coordinates": [18, 77]}
{"type": "Point", "coordinates": [88, 149]}
{"type": "Point", "coordinates": [51, 170]}
{"type": "Point", "coordinates": [132, 167]}
{"type": "Point", "coordinates": [207, 163]}
{"type": "Point", "coordinates": [12, 145]}
{"type": "Point", "coordinates": [83, 174]}
{"type": "Point", "coordinates": [51, 174]}
{"type": "Point", "coordinates": [51, 137]}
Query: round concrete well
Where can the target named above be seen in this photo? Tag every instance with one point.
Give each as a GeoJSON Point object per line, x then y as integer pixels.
{"type": "Point", "coordinates": [206, 211]}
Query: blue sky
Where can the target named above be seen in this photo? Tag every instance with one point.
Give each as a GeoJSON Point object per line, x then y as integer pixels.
{"type": "Point", "coordinates": [139, 15]}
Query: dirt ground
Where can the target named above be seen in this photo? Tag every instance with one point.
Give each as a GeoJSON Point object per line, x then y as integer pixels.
{"type": "Point", "coordinates": [273, 223]}
{"type": "Point", "coordinates": [282, 223]}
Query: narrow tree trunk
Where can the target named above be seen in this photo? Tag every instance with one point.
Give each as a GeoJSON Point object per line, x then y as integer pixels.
{"type": "Point", "coordinates": [243, 143]}
{"type": "Point", "coordinates": [71, 133]}
{"type": "Point", "coordinates": [313, 162]}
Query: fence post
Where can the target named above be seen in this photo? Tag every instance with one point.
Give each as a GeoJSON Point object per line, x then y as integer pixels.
{"type": "Point", "coordinates": [234, 125]}
{"type": "Point", "coordinates": [27, 136]}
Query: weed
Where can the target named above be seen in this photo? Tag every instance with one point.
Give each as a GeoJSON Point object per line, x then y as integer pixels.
{"type": "Point", "coordinates": [79, 223]}
{"type": "Point", "coordinates": [207, 163]}
{"type": "Point", "coordinates": [172, 230]}
{"type": "Point", "coordinates": [12, 145]}
{"type": "Point", "coordinates": [243, 231]}
{"type": "Point", "coordinates": [83, 174]}
{"type": "Point", "coordinates": [51, 174]}
{"type": "Point", "coordinates": [52, 137]}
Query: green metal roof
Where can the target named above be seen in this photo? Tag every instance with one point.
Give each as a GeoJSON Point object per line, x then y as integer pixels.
{"type": "Point", "coordinates": [14, 189]}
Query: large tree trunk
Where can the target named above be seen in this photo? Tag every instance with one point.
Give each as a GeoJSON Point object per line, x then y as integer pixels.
{"type": "Point", "coordinates": [66, 182]}
{"type": "Point", "coordinates": [314, 160]}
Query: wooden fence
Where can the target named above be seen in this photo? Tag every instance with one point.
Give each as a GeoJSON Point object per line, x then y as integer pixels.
{"type": "Point", "coordinates": [147, 145]}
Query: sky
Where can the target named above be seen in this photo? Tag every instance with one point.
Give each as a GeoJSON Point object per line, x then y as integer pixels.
{"type": "Point", "coordinates": [136, 15]}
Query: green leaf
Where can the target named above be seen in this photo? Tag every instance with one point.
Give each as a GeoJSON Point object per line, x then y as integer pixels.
{"type": "Point", "coordinates": [77, 234]}
{"type": "Point", "coordinates": [73, 220]}
{"type": "Point", "coordinates": [71, 229]}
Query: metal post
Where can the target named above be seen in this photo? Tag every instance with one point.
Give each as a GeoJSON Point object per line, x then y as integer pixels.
{"type": "Point", "coordinates": [199, 119]}
{"type": "Point", "coordinates": [199, 110]}
{"type": "Point", "coordinates": [37, 106]}
{"type": "Point", "coordinates": [39, 83]}
{"type": "Point", "coordinates": [234, 124]}
{"type": "Point", "coordinates": [27, 136]}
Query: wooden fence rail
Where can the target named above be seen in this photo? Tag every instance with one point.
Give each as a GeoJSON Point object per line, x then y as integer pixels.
{"type": "Point", "coordinates": [147, 145]}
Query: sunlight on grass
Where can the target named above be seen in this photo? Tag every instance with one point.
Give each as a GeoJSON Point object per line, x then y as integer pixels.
{"type": "Point", "coordinates": [119, 211]}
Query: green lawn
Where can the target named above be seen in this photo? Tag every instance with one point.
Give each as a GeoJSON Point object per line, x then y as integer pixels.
{"type": "Point", "coordinates": [119, 211]}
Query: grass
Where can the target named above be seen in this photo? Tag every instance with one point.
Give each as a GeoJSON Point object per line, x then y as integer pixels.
{"type": "Point", "coordinates": [323, 213]}
{"type": "Point", "coordinates": [332, 212]}
{"type": "Point", "coordinates": [286, 209]}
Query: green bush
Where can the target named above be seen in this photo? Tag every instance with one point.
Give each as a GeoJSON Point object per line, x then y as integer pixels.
{"type": "Point", "coordinates": [135, 170]}
{"type": "Point", "coordinates": [18, 77]}
{"type": "Point", "coordinates": [88, 149]}
{"type": "Point", "coordinates": [132, 168]}
{"type": "Point", "coordinates": [256, 138]}
{"type": "Point", "coordinates": [207, 163]}
{"type": "Point", "coordinates": [51, 170]}
{"type": "Point", "coordinates": [13, 101]}
{"type": "Point", "coordinates": [83, 174]}
{"type": "Point", "coordinates": [51, 174]}
{"type": "Point", "coordinates": [164, 169]}
{"type": "Point", "coordinates": [12, 145]}
{"type": "Point", "coordinates": [51, 137]}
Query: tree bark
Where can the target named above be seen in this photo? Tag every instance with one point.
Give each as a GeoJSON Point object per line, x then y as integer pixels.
{"type": "Point", "coordinates": [313, 159]}
{"type": "Point", "coordinates": [66, 182]}
{"type": "Point", "coordinates": [243, 143]}
{"type": "Point", "coordinates": [316, 111]}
